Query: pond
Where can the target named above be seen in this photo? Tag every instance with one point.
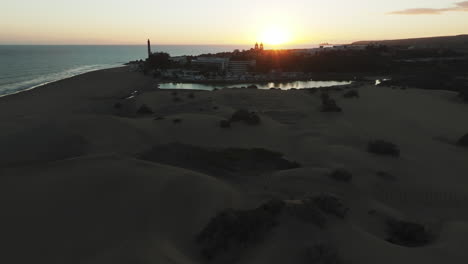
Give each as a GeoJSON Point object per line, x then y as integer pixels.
{"type": "Point", "coordinates": [265, 86]}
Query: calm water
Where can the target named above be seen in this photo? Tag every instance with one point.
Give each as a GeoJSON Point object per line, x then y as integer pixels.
{"type": "Point", "coordinates": [281, 85]}
{"type": "Point", "coordinates": [26, 67]}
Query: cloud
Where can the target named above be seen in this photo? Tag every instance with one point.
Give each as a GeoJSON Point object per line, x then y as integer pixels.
{"type": "Point", "coordinates": [458, 7]}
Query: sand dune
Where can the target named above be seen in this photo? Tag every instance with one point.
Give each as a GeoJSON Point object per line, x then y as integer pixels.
{"type": "Point", "coordinates": [74, 187]}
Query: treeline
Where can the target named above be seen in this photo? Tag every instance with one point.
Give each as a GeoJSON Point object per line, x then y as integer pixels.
{"type": "Point", "coordinates": [328, 61]}
{"type": "Point", "coordinates": [374, 59]}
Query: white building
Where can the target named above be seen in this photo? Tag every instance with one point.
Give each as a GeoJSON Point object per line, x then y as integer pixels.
{"type": "Point", "coordinates": [179, 59]}
{"type": "Point", "coordinates": [221, 64]}
{"type": "Point", "coordinates": [241, 67]}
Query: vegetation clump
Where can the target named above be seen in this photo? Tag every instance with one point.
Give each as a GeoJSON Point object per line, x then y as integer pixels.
{"type": "Point", "coordinates": [324, 254]}
{"type": "Point", "coordinates": [191, 95]}
{"type": "Point", "coordinates": [225, 124]}
{"type": "Point", "coordinates": [329, 104]}
{"type": "Point", "coordinates": [383, 148]}
{"type": "Point", "coordinates": [308, 212]}
{"type": "Point", "coordinates": [407, 234]}
{"type": "Point", "coordinates": [463, 94]}
{"type": "Point", "coordinates": [463, 142]}
{"type": "Point", "coordinates": [250, 118]}
{"type": "Point", "coordinates": [351, 94]}
{"type": "Point", "coordinates": [331, 204]}
{"type": "Point", "coordinates": [158, 60]}
{"type": "Point", "coordinates": [386, 176]}
{"type": "Point", "coordinates": [235, 228]}
{"type": "Point", "coordinates": [341, 175]}
{"type": "Point", "coordinates": [177, 121]}
{"type": "Point", "coordinates": [144, 110]}
{"type": "Point", "coordinates": [118, 105]}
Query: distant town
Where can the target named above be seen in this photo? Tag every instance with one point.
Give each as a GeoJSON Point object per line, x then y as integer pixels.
{"type": "Point", "coordinates": [346, 62]}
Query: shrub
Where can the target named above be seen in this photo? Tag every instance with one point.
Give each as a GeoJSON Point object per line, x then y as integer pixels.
{"type": "Point", "coordinates": [118, 105]}
{"type": "Point", "coordinates": [177, 121]}
{"type": "Point", "coordinates": [464, 94]}
{"type": "Point", "coordinates": [250, 118]}
{"type": "Point", "coordinates": [384, 148]}
{"type": "Point", "coordinates": [234, 228]}
{"type": "Point", "coordinates": [177, 99]}
{"type": "Point", "coordinates": [308, 212]}
{"type": "Point", "coordinates": [463, 141]}
{"type": "Point", "coordinates": [386, 176]}
{"type": "Point", "coordinates": [407, 234]}
{"type": "Point", "coordinates": [351, 94]}
{"type": "Point", "coordinates": [252, 87]}
{"type": "Point", "coordinates": [274, 206]}
{"type": "Point", "coordinates": [225, 124]}
{"type": "Point", "coordinates": [191, 95]}
{"type": "Point", "coordinates": [341, 175]}
{"type": "Point", "coordinates": [323, 254]}
{"type": "Point", "coordinates": [144, 110]}
{"type": "Point", "coordinates": [325, 97]}
{"type": "Point", "coordinates": [331, 204]}
{"type": "Point", "coordinates": [159, 118]}
{"type": "Point", "coordinates": [328, 104]}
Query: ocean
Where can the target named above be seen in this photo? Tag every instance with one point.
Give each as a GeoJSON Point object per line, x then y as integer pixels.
{"type": "Point", "coordinates": [26, 67]}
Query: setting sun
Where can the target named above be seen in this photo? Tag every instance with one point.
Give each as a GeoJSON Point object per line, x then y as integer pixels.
{"type": "Point", "coordinates": [275, 36]}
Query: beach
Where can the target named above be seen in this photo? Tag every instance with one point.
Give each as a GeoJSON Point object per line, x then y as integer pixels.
{"type": "Point", "coordinates": [100, 168]}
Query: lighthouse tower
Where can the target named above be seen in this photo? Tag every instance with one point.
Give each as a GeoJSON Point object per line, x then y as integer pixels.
{"type": "Point", "coordinates": [149, 48]}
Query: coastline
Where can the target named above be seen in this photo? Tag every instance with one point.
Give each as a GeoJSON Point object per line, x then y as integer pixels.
{"type": "Point", "coordinates": [20, 90]}
{"type": "Point", "coordinates": [80, 93]}
{"type": "Point", "coordinates": [321, 77]}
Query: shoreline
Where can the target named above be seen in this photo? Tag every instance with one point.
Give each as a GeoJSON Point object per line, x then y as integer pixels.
{"type": "Point", "coordinates": [58, 80]}
{"type": "Point", "coordinates": [349, 77]}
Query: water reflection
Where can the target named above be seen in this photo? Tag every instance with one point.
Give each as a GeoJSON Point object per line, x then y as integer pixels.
{"type": "Point", "coordinates": [380, 81]}
{"type": "Point", "coordinates": [280, 85]}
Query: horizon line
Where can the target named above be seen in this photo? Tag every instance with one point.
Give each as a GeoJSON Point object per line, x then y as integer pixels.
{"type": "Point", "coordinates": [152, 44]}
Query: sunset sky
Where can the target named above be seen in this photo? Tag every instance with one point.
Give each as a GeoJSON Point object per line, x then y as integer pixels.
{"type": "Point", "coordinates": [298, 22]}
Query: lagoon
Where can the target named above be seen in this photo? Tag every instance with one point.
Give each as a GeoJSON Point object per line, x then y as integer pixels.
{"type": "Point", "coordinates": [265, 86]}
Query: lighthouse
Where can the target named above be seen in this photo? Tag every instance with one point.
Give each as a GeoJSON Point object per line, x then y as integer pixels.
{"type": "Point", "coordinates": [149, 48]}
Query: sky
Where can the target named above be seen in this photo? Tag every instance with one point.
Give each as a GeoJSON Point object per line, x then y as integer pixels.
{"type": "Point", "coordinates": [189, 22]}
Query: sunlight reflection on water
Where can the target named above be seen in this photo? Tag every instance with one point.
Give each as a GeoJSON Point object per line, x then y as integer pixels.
{"type": "Point", "coordinates": [280, 85]}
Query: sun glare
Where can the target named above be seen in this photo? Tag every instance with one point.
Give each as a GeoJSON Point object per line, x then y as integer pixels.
{"type": "Point", "coordinates": [275, 36]}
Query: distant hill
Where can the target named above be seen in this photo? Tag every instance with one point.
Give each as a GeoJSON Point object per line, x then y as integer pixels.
{"type": "Point", "coordinates": [459, 42]}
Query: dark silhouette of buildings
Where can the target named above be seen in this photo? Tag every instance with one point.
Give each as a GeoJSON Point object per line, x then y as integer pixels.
{"type": "Point", "coordinates": [149, 48]}
{"type": "Point", "coordinates": [258, 47]}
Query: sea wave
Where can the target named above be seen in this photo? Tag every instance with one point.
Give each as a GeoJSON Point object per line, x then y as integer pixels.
{"type": "Point", "coordinates": [24, 85]}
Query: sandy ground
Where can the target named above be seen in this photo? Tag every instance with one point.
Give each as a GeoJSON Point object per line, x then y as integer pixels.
{"type": "Point", "coordinates": [74, 190]}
